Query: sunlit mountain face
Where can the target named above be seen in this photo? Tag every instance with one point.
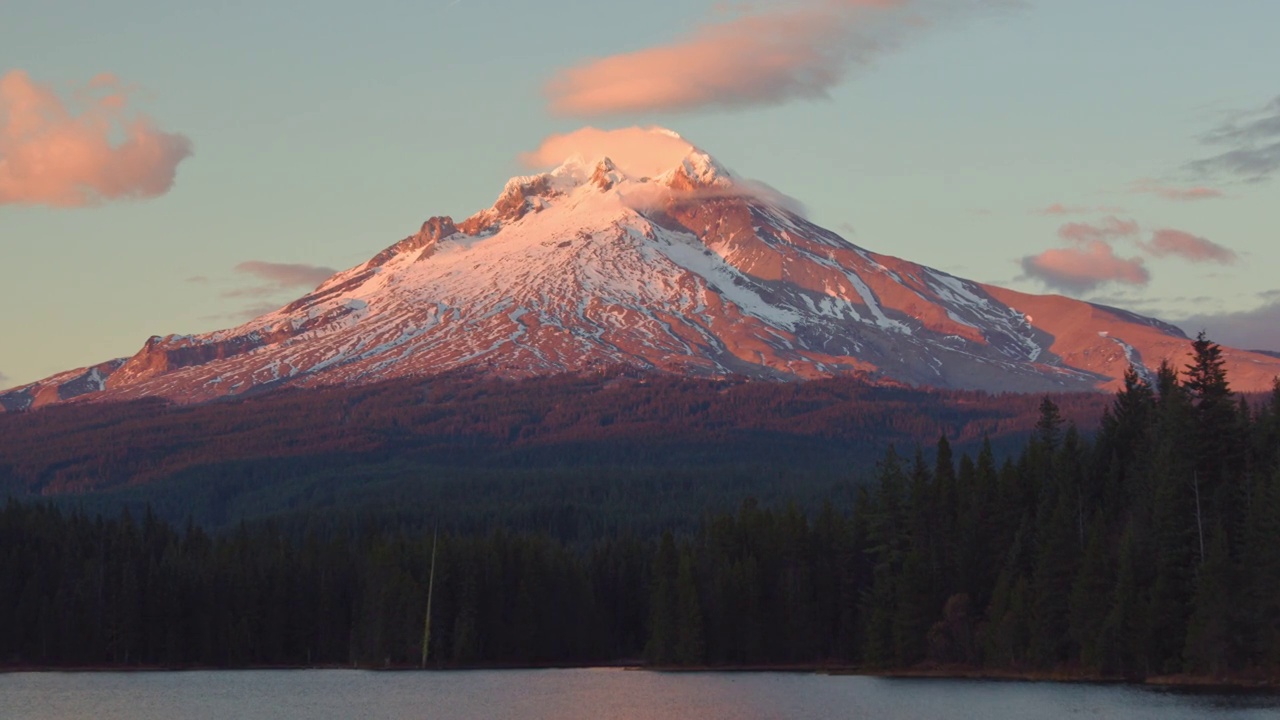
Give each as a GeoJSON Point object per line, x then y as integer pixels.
{"type": "Point", "coordinates": [673, 267]}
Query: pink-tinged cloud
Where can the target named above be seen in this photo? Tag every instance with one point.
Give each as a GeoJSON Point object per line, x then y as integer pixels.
{"type": "Point", "coordinates": [1061, 209]}
{"type": "Point", "coordinates": [646, 153]}
{"type": "Point", "coordinates": [1177, 194]}
{"type": "Point", "coordinates": [637, 152]}
{"type": "Point", "coordinates": [1168, 242]}
{"type": "Point", "coordinates": [1110, 228]}
{"type": "Point", "coordinates": [767, 56]}
{"type": "Point", "coordinates": [1081, 269]}
{"type": "Point", "coordinates": [85, 153]}
{"type": "Point", "coordinates": [286, 275]}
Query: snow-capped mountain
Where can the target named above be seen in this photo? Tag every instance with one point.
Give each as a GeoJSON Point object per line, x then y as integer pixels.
{"type": "Point", "coordinates": [690, 271]}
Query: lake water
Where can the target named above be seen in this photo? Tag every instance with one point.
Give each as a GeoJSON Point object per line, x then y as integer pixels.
{"type": "Point", "coordinates": [585, 695]}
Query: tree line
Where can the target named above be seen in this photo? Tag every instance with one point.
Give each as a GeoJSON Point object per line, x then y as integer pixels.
{"type": "Point", "coordinates": [1151, 546]}
{"type": "Point", "coordinates": [457, 421]}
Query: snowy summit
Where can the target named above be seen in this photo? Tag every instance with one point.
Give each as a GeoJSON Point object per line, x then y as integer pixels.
{"type": "Point", "coordinates": [638, 249]}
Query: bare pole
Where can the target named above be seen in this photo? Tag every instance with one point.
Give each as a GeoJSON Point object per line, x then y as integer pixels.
{"type": "Point", "coordinates": [431, 586]}
{"type": "Point", "coordinates": [1199, 517]}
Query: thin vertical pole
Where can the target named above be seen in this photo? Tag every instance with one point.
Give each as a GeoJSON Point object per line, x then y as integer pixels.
{"type": "Point", "coordinates": [431, 586]}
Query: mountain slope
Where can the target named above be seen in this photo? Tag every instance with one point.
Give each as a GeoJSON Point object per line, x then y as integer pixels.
{"type": "Point", "coordinates": [691, 272]}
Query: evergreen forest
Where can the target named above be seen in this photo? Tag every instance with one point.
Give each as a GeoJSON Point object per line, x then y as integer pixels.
{"type": "Point", "coordinates": [1149, 546]}
{"type": "Point", "coordinates": [575, 456]}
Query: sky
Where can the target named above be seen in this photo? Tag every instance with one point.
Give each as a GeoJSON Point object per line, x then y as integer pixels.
{"type": "Point", "coordinates": [176, 167]}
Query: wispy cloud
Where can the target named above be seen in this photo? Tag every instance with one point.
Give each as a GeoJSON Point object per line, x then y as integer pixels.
{"type": "Point", "coordinates": [1168, 242]}
{"type": "Point", "coordinates": [1254, 329]}
{"type": "Point", "coordinates": [1252, 146]}
{"type": "Point", "coordinates": [256, 310]}
{"type": "Point", "coordinates": [249, 312]}
{"type": "Point", "coordinates": [67, 155]}
{"type": "Point", "coordinates": [762, 56]}
{"type": "Point", "coordinates": [1176, 193]}
{"type": "Point", "coordinates": [1062, 209]}
{"type": "Point", "coordinates": [273, 280]}
{"type": "Point", "coordinates": [286, 276]}
{"type": "Point", "coordinates": [1082, 269]}
{"type": "Point", "coordinates": [270, 286]}
{"type": "Point", "coordinates": [1108, 229]}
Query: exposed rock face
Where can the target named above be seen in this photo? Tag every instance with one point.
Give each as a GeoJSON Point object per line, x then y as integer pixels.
{"type": "Point", "coordinates": [433, 230]}
{"type": "Point", "coordinates": [688, 272]}
{"type": "Point", "coordinates": [63, 386]}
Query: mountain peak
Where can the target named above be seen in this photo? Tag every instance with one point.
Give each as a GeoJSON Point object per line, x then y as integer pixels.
{"type": "Point", "coordinates": [637, 154]}
{"type": "Point", "coordinates": [627, 171]}
{"type": "Point", "coordinates": [606, 174]}
{"type": "Point", "coordinates": [642, 250]}
{"type": "Point", "coordinates": [698, 170]}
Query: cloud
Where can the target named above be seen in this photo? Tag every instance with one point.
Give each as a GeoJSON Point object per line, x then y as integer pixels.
{"type": "Point", "coordinates": [1255, 329]}
{"type": "Point", "coordinates": [1252, 142]}
{"type": "Point", "coordinates": [255, 310]}
{"type": "Point", "coordinates": [276, 278]}
{"type": "Point", "coordinates": [86, 153]}
{"type": "Point", "coordinates": [1091, 261]}
{"type": "Point", "coordinates": [249, 312]}
{"type": "Point", "coordinates": [1081, 269]}
{"type": "Point", "coordinates": [1109, 229]}
{"type": "Point", "coordinates": [285, 276]}
{"type": "Point", "coordinates": [638, 152]}
{"type": "Point", "coordinates": [273, 280]}
{"type": "Point", "coordinates": [1185, 245]}
{"type": "Point", "coordinates": [1061, 209]}
{"type": "Point", "coordinates": [759, 56]}
{"type": "Point", "coordinates": [647, 152]}
{"type": "Point", "coordinates": [1177, 194]}
{"type": "Point", "coordinates": [4, 381]}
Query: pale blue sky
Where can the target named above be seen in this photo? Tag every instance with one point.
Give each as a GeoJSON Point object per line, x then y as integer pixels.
{"type": "Point", "coordinates": [325, 131]}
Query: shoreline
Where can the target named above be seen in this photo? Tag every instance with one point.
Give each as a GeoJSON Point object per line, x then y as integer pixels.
{"type": "Point", "coordinates": [1187, 683]}
{"type": "Point", "coordinates": [1174, 682]}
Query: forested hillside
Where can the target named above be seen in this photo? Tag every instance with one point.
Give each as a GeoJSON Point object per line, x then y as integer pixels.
{"type": "Point", "coordinates": [614, 451]}
{"type": "Point", "coordinates": [1152, 548]}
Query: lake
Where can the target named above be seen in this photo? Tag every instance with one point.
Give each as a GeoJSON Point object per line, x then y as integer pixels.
{"type": "Point", "coordinates": [604, 694]}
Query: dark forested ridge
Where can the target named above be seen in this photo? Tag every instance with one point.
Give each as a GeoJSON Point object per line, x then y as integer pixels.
{"type": "Point", "coordinates": [632, 451]}
{"type": "Point", "coordinates": [1150, 548]}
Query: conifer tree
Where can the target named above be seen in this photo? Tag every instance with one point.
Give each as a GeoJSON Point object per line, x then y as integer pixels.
{"type": "Point", "coordinates": [690, 648]}
{"type": "Point", "coordinates": [1123, 645]}
{"type": "Point", "coordinates": [664, 618]}
{"type": "Point", "coordinates": [1210, 638]}
{"type": "Point", "coordinates": [1089, 602]}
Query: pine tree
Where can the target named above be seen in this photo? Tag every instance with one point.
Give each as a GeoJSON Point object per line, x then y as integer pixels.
{"type": "Point", "coordinates": [1049, 426]}
{"type": "Point", "coordinates": [690, 648]}
{"type": "Point", "coordinates": [1210, 645]}
{"type": "Point", "coordinates": [1218, 447]}
{"type": "Point", "coordinates": [1259, 571]}
{"type": "Point", "coordinates": [1089, 602]}
{"type": "Point", "coordinates": [664, 619]}
{"type": "Point", "coordinates": [887, 547]}
{"type": "Point", "coordinates": [1123, 645]}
